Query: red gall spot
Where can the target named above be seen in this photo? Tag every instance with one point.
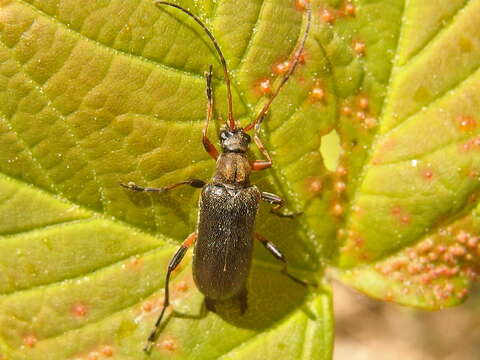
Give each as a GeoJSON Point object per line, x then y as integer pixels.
{"type": "Point", "coordinates": [441, 248]}
{"type": "Point", "coordinates": [147, 306]}
{"type": "Point", "coordinates": [80, 310]}
{"type": "Point", "coordinates": [314, 185]}
{"type": "Point", "coordinates": [317, 94]}
{"type": "Point", "coordinates": [370, 122]}
{"type": "Point", "coordinates": [93, 356]}
{"type": "Point", "coordinates": [134, 263]}
{"type": "Point", "coordinates": [449, 258]}
{"type": "Point", "coordinates": [386, 269]}
{"type": "Point", "coordinates": [405, 219]}
{"type": "Point", "coordinates": [168, 344]}
{"type": "Point", "coordinates": [328, 16]}
{"type": "Point", "coordinates": [454, 271]}
{"type": "Point", "coordinates": [340, 186]}
{"type": "Point", "coordinates": [337, 209]}
{"type": "Point", "coordinates": [466, 146]}
{"type": "Point", "coordinates": [361, 115]}
{"type": "Point", "coordinates": [457, 250]}
{"type": "Point", "coordinates": [301, 4]}
{"type": "Point", "coordinates": [439, 271]}
{"type": "Point", "coordinates": [376, 161]}
{"type": "Point", "coordinates": [30, 341]}
{"type": "Point", "coordinates": [346, 110]}
{"type": "Point", "coordinates": [472, 174]}
{"type": "Point", "coordinates": [363, 103]}
{"type": "Point", "coordinates": [396, 210]}
{"type": "Point", "coordinates": [412, 254]}
{"type": "Point", "coordinates": [359, 47]}
{"type": "Point", "coordinates": [470, 273]}
{"type": "Point", "coordinates": [427, 174]}
{"type": "Point", "coordinates": [472, 242]}
{"type": "Point", "coordinates": [476, 142]}
{"type": "Point", "coordinates": [398, 264]}
{"type": "Point", "coordinates": [462, 236]}
{"type": "Point", "coordinates": [341, 170]}
{"type": "Point", "coordinates": [107, 351]}
{"type": "Point", "coordinates": [425, 245]}
{"type": "Point", "coordinates": [264, 86]}
{"type": "Point", "coordinates": [437, 291]}
{"type": "Point", "coordinates": [282, 67]}
{"type": "Point", "coordinates": [466, 123]}
{"type": "Point", "coordinates": [424, 260]}
{"type": "Point", "coordinates": [463, 293]}
{"type": "Point", "coordinates": [182, 286]}
{"type": "Point", "coordinates": [350, 9]}
{"type": "Point", "coordinates": [358, 240]}
{"type": "Point", "coordinates": [425, 279]}
{"type": "Point", "coordinates": [449, 287]}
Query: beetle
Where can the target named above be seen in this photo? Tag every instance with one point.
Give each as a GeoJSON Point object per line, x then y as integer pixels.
{"type": "Point", "coordinates": [228, 203]}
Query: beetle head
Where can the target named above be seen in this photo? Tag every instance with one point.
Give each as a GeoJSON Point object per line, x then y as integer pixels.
{"type": "Point", "coordinates": [234, 140]}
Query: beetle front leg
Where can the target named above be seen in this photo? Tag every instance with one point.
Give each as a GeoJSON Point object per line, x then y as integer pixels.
{"type": "Point", "coordinates": [258, 165]}
{"type": "Point", "coordinates": [279, 256]}
{"type": "Point", "coordinates": [174, 262]}
{"type": "Point", "coordinates": [197, 183]}
{"type": "Point", "coordinates": [277, 203]}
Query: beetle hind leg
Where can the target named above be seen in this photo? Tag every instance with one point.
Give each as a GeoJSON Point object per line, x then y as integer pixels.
{"type": "Point", "coordinates": [243, 299]}
{"type": "Point", "coordinates": [279, 256]}
{"type": "Point", "coordinates": [277, 203]}
{"type": "Point", "coordinates": [210, 304]}
{"type": "Point", "coordinates": [174, 262]}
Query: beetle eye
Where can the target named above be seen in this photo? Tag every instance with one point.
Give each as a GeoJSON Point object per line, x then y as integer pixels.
{"type": "Point", "coordinates": [248, 138]}
{"type": "Point", "coordinates": [223, 135]}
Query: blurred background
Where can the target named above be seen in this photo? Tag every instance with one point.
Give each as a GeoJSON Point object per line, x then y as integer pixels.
{"type": "Point", "coordinates": [373, 330]}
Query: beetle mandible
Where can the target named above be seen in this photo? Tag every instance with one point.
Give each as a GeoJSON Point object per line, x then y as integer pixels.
{"type": "Point", "coordinates": [228, 203]}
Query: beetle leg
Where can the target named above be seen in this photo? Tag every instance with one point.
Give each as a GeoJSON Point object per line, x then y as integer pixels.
{"type": "Point", "coordinates": [192, 182]}
{"type": "Point", "coordinates": [242, 297]}
{"type": "Point", "coordinates": [277, 203]}
{"type": "Point", "coordinates": [210, 304]}
{"type": "Point", "coordinates": [279, 256]}
{"type": "Point", "coordinates": [176, 259]}
{"type": "Point", "coordinates": [207, 144]}
{"type": "Point", "coordinates": [261, 164]}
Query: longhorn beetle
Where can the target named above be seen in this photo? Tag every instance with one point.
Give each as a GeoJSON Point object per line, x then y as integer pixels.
{"type": "Point", "coordinates": [228, 203]}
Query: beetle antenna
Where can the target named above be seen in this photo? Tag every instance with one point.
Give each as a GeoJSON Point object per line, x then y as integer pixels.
{"type": "Point", "coordinates": [296, 59]}
{"type": "Point", "coordinates": [222, 58]}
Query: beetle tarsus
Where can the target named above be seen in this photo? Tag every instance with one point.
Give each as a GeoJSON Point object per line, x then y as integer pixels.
{"type": "Point", "coordinates": [277, 203]}
{"type": "Point", "coordinates": [275, 211]}
{"type": "Point", "coordinates": [174, 262]}
{"type": "Point", "coordinates": [197, 183]}
{"type": "Point", "coordinates": [277, 254]}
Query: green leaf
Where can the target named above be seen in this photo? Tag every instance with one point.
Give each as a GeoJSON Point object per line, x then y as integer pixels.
{"type": "Point", "coordinates": [412, 230]}
{"type": "Point", "coordinates": [112, 91]}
